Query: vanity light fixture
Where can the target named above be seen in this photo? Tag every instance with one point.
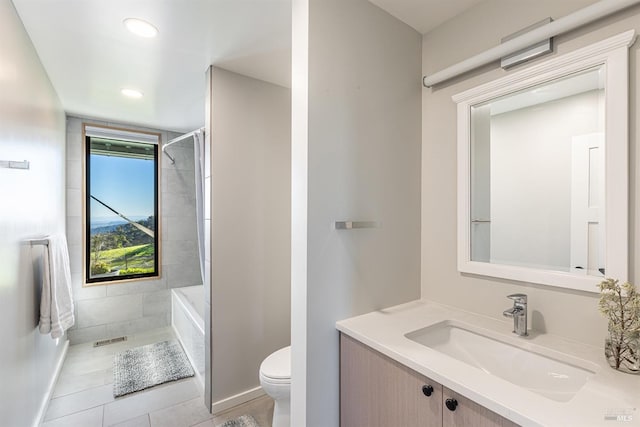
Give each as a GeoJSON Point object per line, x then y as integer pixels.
{"type": "Point", "coordinates": [140, 28]}
{"type": "Point", "coordinates": [131, 93]}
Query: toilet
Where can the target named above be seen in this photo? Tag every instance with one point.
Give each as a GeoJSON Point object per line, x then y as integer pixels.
{"type": "Point", "coordinates": [275, 379]}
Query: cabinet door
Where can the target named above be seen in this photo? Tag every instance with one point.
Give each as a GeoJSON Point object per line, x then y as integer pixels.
{"type": "Point", "coordinates": [376, 391]}
{"type": "Point", "coordinates": [468, 413]}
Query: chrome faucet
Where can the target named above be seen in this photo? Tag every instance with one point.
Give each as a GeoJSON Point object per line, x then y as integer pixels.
{"type": "Point", "coordinates": [519, 314]}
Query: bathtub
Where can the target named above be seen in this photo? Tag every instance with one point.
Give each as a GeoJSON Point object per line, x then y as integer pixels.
{"type": "Point", "coordinates": [187, 320]}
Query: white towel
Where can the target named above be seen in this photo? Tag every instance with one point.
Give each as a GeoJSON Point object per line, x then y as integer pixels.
{"type": "Point", "coordinates": [56, 303]}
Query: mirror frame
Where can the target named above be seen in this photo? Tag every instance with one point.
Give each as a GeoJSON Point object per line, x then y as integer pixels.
{"type": "Point", "coordinates": [613, 55]}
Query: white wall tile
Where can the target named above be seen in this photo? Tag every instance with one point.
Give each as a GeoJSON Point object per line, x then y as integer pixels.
{"type": "Point", "coordinates": [109, 310]}
{"type": "Point", "coordinates": [84, 335]}
{"type": "Point", "coordinates": [75, 258]}
{"type": "Point", "coordinates": [137, 287]}
{"type": "Point", "coordinates": [74, 175]}
{"type": "Point", "coordinates": [74, 146]}
{"type": "Point", "coordinates": [178, 181]}
{"type": "Point", "coordinates": [182, 228]}
{"type": "Point", "coordinates": [85, 292]}
{"type": "Point", "coordinates": [180, 252]}
{"type": "Point", "coordinates": [74, 229]}
{"type": "Point", "coordinates": [180, 276]}
{"type": "Point", "coordinates": [74, 199]}
{"type": "Point", "coordinates": [156, 303]}
{"type": "Point", "coordinates": [180, 205]}
{"type": "Point", "coordinates": [138, 325]}
{"type": "Point", "coordinates": [183, 156]}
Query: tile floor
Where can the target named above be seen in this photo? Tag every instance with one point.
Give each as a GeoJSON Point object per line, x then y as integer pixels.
{"type": "Point", "coordinates": [83, 396]}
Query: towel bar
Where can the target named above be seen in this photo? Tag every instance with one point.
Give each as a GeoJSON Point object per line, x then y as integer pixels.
{"type": "Point", "coordinates": [11, 164]}
{"type": "Point", "coordinates": [349, 225]}
{"type": "Point", "coordinates": [39, 242]}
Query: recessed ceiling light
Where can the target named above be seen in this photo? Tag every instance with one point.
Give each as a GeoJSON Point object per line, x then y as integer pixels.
{"type": "Point", "coordinates": [131, 93]}
{"type": "Point", "coordinates": [140, 28]}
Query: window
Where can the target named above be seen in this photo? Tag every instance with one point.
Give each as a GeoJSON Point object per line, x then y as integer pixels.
{"type": "Point", "coordinates": [121, 205]}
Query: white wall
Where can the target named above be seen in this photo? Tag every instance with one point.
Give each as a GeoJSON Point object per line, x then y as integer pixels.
{"type": "Point", "coordinates": [250, 222]}
{"type": "Point", "coordinates": [356, 156]}
{"type": "Point", "coordinates": [456, 40]}
{"type": "Point", "coordinates": [32, 204]}
{"type": "Point", "coordinates": [115, 309]}
{"type": "Point", "coordinates": [531, 152]}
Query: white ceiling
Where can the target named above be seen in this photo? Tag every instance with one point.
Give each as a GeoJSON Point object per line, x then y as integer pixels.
{"type": "Point", "coordinates": [425, 15]}
{"type": "Point", "coordinates": [90, 56]}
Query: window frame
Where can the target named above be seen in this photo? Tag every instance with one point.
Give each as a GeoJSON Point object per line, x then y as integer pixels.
{"type": "Point", "coordinates": [121, 134]}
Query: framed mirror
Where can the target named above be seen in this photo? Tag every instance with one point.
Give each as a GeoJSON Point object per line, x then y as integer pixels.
{"type": "Point", "coordinates": [543, 170]}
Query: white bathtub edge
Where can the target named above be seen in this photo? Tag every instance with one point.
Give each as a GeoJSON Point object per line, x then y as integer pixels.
{"type": "Point", "coordinates": [181, 304]}
{"type": "Point", "coordinates": [188, 309]}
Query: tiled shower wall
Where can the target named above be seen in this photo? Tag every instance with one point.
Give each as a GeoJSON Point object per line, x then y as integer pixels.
{"type": "Point", "coordinates": [107, 311]}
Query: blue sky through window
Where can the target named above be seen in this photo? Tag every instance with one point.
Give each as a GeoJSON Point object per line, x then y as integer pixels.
{"type": "Point", "coordinates": [125, 184]}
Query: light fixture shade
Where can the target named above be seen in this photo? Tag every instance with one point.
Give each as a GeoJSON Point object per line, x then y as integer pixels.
{"type": "Point", "coordinates": [140, 27]}
{"type": "Point", "coordinates": [131, 93]}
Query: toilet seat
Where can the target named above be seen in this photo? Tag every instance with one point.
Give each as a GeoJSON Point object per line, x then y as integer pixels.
{"type": "Point", "coordinates": [275, 379]}
{"type": "Point", "coordinates": [276, 368]}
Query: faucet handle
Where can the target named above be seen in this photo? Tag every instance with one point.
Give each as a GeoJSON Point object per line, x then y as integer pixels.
{"type": "Point", "coordinates": [518, 298]}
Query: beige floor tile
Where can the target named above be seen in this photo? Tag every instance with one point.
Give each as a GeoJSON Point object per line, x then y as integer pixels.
{"type": "Point", "coordinates": [84, 395]}
{"type": "Point", "coordinates": [89, 418]}
{"type": "Point", "coordinates": [73, 384]}
{"type": "Point", "coordinates": [147, 401]}
{"type": "Point", "coordinates": [76, 402]}
{"type": "Point", "coordinates": [141, 421]}
{"type": "Point", "coordinates": [184, 414]}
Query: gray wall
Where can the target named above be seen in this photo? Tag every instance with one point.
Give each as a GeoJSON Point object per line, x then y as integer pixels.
{"type": "Point", "coordinates": [356, 146]}
{"type": "Point", "coordinates": [111, 310]}
{"type": "Point", "coordinates": [249, 219]}
{"type": "Point", "coordinates": [456, 40]}
{"type": "Point", "coordinates": [31, 205]}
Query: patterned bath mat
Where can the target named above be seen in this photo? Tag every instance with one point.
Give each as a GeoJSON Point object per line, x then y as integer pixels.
{"type": "Point", "coordinates": [147, 366]}
{"type": "Point", "coordinates": [241, 421]}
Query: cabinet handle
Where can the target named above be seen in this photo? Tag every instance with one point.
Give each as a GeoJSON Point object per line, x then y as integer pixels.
{"type": "Point", "coordinates": [427, 390]}
{"type": "Point", "coordinates": [452, 404]}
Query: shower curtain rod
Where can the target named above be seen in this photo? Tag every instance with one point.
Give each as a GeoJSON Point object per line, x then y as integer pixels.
{"type": "Point", "coordinates": [178, 139]}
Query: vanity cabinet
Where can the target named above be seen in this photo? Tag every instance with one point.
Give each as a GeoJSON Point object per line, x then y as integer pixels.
{"type": "Point", "coordinates": [468, 413]}
{"type": "Point", "coordinates": [376, 391]}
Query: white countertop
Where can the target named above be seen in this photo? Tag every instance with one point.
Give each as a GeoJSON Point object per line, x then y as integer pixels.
{"type": "Point", "coordinates": [607, 393]}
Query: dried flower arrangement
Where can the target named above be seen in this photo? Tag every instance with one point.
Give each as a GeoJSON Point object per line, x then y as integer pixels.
{"type": "Point", "coordinates": [621, 305]}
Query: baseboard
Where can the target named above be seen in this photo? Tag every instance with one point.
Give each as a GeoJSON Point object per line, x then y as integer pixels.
{"type": "Point", "coordinates": [52, 385]}
{"type": "Point", "coordinates": [238, 399]}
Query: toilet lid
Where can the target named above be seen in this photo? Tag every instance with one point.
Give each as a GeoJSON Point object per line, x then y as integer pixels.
{"type": "Point", "coordinates": [278, 364]}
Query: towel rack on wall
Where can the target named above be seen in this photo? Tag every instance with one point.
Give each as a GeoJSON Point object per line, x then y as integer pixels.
{"type": "Point", "coordinates": [11, 164]}
{"type": "Point", "coordinates": [349, 225]}
{"type": "Point", "coordinates": [44, 242]}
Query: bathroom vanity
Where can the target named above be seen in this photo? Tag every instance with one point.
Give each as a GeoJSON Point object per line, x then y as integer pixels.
{"type": "Point", "coordinates": [424, 364]}
{"type": "Point", "coordinates": [378, 391]}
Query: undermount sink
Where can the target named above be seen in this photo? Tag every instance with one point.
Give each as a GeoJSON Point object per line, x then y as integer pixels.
{"type": "Point", "coordinates": [510, 358]}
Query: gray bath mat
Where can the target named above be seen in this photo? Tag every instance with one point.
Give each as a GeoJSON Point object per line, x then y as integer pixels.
{"type": "Point", "coordinates": [241, 421]}
{"type": "Point", "coordinates": [147, 366]}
